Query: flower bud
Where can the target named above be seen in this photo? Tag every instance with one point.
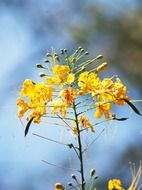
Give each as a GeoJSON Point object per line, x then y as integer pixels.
{"type": "Point", "coordinates": [81, 50]}
{"type": "Point", "coordinates": [48, 55]}
{"type": "Point", "coordinates": [83, 68]}
{"type": "Point", "coordinates": [92, 172]}
{"type": "Point", "coordinates": [39, 66]}
{"type": "Point", "coordinates": [99, 57]}
{"type": "Point", "coordinates": [84, 183]}
{"type": "Point", "coordinates": [46, 60]}
{"type": "Point", "coordinates": [58, 186]}
{"type": "Point", "coordinates": [79, 47]}
{"type": "Point", "coordinates": [102, 67]}
{"type": "Point", "coordinates": [73, 60]}
{"type": "Point", "coordinates": [66, 59]}
{"type": "Point", "coordinates": [96, 177]}
{"type": "Point", "coordinates": [69, 184]}
{"type": "Point", "coordinates": [62, 51]}
{"type": "Point", "coordinates": [57, 57]}
{"type": "Point", "coordinates": [65, 50]}
{"type": "Point", "coordinates": [42, 74]}
{"type": "Point", "coordinates": [86, 53]}
{"type": "Point", "coordinates": [73, 176]}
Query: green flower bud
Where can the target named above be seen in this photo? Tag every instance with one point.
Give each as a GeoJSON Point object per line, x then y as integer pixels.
{"type": "Point", "coordinates": [92, 172]}
{"type": "Point", "coordinates": [42, 74]}
{"type": "Point", "coordinates": [99, 57]}
{"type": "Point", "coordinates": [39, 66]}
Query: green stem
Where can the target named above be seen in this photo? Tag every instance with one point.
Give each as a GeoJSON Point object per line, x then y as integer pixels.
{"type": "Point", "coordinates": [80, 149]}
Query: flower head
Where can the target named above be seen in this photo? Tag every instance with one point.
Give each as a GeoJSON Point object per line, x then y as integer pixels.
{"type": "Point", "coordinates": [28, 88]}
{"type": "Point", "coordinates": [119, 92]}
{"type": "Point", "coordinates": [23, 107]}
{"type": "Point", "coordinates": [84, 123]}
{"type": "Point", "coordinates": [115, 184]}
{"type": "Point", "coordinates": [88, 82]}
{"type": "Point", "coordinates": [68, 95]}
{"type": "Point", "coordinates": [61, 76]}
{"type": "Point", "coordinates": [38, 95]}
{"type": "Point", "coordinates": [103, 108]}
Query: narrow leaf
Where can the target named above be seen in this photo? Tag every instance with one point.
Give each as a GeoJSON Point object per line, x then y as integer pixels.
{"type": "Point", "coordinates": [132, 106]}
{"type": "Point", "coordinates": [121, 119]}
{"type": "Point", "coordinates": [28, 126]}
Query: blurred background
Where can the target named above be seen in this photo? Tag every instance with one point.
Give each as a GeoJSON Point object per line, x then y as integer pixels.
{"type": "Point", "coordinates": [28, 29]}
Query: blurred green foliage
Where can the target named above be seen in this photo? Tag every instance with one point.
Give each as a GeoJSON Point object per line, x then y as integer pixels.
{"type": "Point", "coordinates": [118, 29]}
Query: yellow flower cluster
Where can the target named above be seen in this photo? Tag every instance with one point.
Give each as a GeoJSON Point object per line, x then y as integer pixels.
{"type": "Point", "coordinates": [103, 91]}
{"type": "Point", "coordinates": [115, 184]}
{"type": "Point", "coordinates": [38, 95]}
{"type": "Point", "coordinates": [64, 85]}
{"type": "Point", "coordinates": [67, 82]}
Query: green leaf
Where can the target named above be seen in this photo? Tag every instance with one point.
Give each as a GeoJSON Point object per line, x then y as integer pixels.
{"type": "Point", "coordinates": [121, 119]}
{"type": "Point", "coordinates": [28, 126]}
{"type": "Point", "coordinates": [133, 107]}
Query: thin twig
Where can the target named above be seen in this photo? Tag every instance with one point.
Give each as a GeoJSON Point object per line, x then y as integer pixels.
{"type": "Point", "coordinates": [58, 166]}
{"type": "Point", "coordinates": [135, 100]}
{"type": "Point", "coordinates": [58, 117]}
{"type": "Point", "coordinates": [64, 121]}
{"type": "Point", "coordinates": [49, 139]}
{"type": "Point", "coordinates": [75, 150]}
{"type": "Point", "coordinates": [70, 145]}
{"type": "Point", "coordinates": [94, 140]}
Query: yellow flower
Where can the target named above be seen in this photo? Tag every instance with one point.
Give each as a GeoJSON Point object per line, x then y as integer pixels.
{"type": "Point", "coordinates": [38, 96]}
{"type": "Point", "coordinates": [103, 90]}
{"type": "Point", "coordinates": [43, 92]}
{"type": "Point", "coordinates": [115, 184]}
{"type": "Point", "coordinates": [28, 88]}
{"type": "Point", "coordinates": [88, 82]}
{"type": "Point", "coordinates": [59, 106]}
{"type": "Point", "coordinates": [60, 70]}
{"type": "Point", "coordinates": [103, 108]}
{"type": "Point", "coordinates": [119, 92]}
{"type": "Point", "coordinates": [61, 76]}
{"type": "Point", "coordinates": [23, 107]}
{"type": "Point", "coordinates": [84, 122]}
{"type": "Point", "coordinates": [107, 83]}
{"type": "Point", "coordinates": [70, 78]}
{"type": "Point", "coordinates": [68, 96]}
{"type": "Point", "coordinates": [35, 115]}
{"type": "Point", "coordinates": [37, 111]}
{"type": "Point", "coordinates": [52, 80]}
